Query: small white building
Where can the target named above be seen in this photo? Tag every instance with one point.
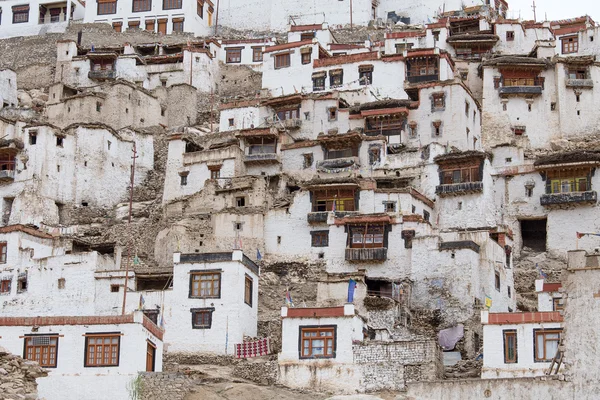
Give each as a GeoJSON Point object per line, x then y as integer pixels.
{"type": "Point", "coordinates": [550, 297]}
{"type": "Point", "coordinates": [522, 344]}
{"type": "Point", "coordinates": [38, 17]}
{"type": "Point", "coordinates": [163, 17]}
{"type": "Point", "coordinates": [220, 305]}
{"type": "Point", "coordinates": [8, 88]}
{"type": "Point", "coordinates": [244, 51]}
{"type": "Point", "coordinates": [86, 356]}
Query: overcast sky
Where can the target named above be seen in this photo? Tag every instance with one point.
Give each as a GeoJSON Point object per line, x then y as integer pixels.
{"type": "Point", "coordinates": [555, 9]}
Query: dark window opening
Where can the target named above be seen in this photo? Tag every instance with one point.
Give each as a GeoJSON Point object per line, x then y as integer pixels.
{"type": "Point", "coordinates": [319, 238]}
{"type": "Point", "coordinates": [154, 283]}
{"type": "Point", "coordinates": [233, 55]}
{"type": "Point", "coordinates": [32, 137]}
{"type": "Point", "coordinates": [497, 280]}
{"type": "Point", "coordinates": [59, 141]}
{"type": "Point", "coordinates": [115, 288]}
{"type": "Point", "coordinates": [533, 234]}
{"type": "Point", "coordinates": [152, 315]}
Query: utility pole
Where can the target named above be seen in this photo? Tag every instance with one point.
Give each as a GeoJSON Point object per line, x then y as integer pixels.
{"type": "Point", "coordinates": [217, 19]}
{"type": "Point", "coordinates": [533, 7]}
{"type": "Point", "coordinates": [129, 227]}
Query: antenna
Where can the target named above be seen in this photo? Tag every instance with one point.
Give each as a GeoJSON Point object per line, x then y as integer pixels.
{"type": "Point", "coordinates": [533, 8]}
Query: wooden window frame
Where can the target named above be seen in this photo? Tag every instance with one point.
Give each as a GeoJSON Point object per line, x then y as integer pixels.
{"type": "Point", "coordinates": [283, 60]}
{"type": "Point", "coordinates": [367, 236]}
{"type": "Point", "coordinates": [103, 336]}
{"type": "Point", "coordinates": [18, 13]}
{"type": "Point", "coordinates": [200, 8]}
{"type": "Point", "coordinates": [569, 44]}
{"type": "Point", "coordinates": [345, 199]}
{"type": "Point", "coordinates": [455, 174]}
{"type": "Point", "coordinates": [133, 24]}
{"type": "Point", "coordinates": [117, 26]}
{"type": "Point", "coordinates": [506, 335]}
{"type": "Point", "coordinates": [44, 359]}
{"type": "Point", "coordinates": [438, 101]}
{"type": "Point", "coordinates": [365, 75]}
{"type": "Point", "coordinates": [305, 58]}
{"type": "Point", "coordinates": [206, 314]}
{"type": "Point", "coordinates": [387, 125]}
{"type": "Point", "coordinates": [336, 78]}
{"type": "Point", "coordinates": [317, 329]}
{"type": "Point", "coordinates": [161, 23]}
{"type": "Point", "coordinates": [248, 289]}
{"type": "Point", "coordinates": [106, 7]}
{"type": "Point", "coordinates": [319, 81]}
{"type": "Point", "coordinates": [150, 25]}
{"type": "Point", "coordinates": [319, 238]}
{"type": "Point", "coordinates": [142, 5]}
{"type": "Point", "coordinates": [510, 36]}
{"type": "Point", "coordinates": [537, 333]}
{"type": "Point", "coordinates": [307, 36]}
{"type": "Point", "coordinates": [214, 290]}
{"type": "Point", "coordinates": [233, 55]}
{"type": "Point", "coordinates": [177, 24]}
{"type": "Point", "coordinates": [5, 286]}
{"type": "Point", "coordinates": [556, 306]}
{"type": "Point", "coordinates": [172, 4]}
{"type": "Point", "coordinates": [3, 252]}
{"type": "Point", "coordinates": [426, 66]}
{"type": "Point", "coordinates": [257, 54]}
{"type": "Point", "coordinates": [569, 181]}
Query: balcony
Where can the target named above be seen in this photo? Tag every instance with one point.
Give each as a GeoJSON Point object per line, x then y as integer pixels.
{"type": "Point", "coordinates": [7, 175]}
{"type": "Point", "coordinates": [293, 123]}
{"type": "Point", "coordinates": [456, 189]}
{"type": "Point", "coordinates": [552, 199]}
{"type": "Point", "coordinates": [423, 78]}
{"type": "Point", "coordinates": [102, 75]}
{"type": "Point", "coordinates": [337, 163]}
{"type": "Point", "coordinates": [317, 217]}
{"type": "Point", "coordinates": [506, 91]}
{"type": "Point", "coordinates": [368, 254]}
{"type": "Point", "coordinates": [262, 158]}
{"type": "Point", "coordinates": [580, 83]}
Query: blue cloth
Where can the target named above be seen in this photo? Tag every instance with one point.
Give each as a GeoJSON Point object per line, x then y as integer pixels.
{"type": "Point", "coordinates": [351, 287]}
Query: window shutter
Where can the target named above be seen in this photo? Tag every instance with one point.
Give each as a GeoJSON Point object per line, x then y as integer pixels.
{"type": "Point", "coordinates": [497, 82]}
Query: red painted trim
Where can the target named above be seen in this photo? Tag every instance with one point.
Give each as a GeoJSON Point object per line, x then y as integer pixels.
{"type": "Point", "coordinates": [286, 46]}
{"type": "Point", "coordinates": [46, 321]}
{"type": "Point", "coordinates": [551, 287]}
{"type": "Point", "coordinates": [300, 28]}
{"type": "Point", "coordinates": [524, 318]}
{"type": "Point", "coordinates": [315, 312]}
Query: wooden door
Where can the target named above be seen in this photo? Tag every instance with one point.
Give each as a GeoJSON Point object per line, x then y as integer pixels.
{"type": "Point", "coordinates": [150, 354]}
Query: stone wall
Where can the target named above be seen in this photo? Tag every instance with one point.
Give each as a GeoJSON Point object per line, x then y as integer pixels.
{"type": "Point", "coordinates": [164, 386]}
{"type": "Point", "coordinates": [17, 377]}
{"type": "Point", "coordinates": [389, 365]}
{"type": "Point", "coordinates": [261, 370]}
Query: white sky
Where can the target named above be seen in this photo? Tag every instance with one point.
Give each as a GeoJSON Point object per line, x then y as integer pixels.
{"type": "Point", "coordinates": [554, 9]}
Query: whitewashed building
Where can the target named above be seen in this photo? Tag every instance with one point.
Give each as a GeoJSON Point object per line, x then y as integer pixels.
{"type": "Point", "coordinates": [39, 17]}
{"type": "Point", "coordinates": [8, 88]}
{"type": "Point", "coordinates": [86, 356]}
{"type": "Point", "coordinates": [518, 345]}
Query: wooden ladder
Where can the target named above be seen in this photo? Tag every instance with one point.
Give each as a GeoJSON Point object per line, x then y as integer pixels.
{"type": "Point", "coordinates": [557, 360]}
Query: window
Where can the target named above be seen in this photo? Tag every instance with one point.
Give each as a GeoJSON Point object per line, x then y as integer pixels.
{"type": "Point", "coordinates": [117, 26]}
{"type": "Point", "coordinates": [282, 60]}
{"type": "Point", "coordinates": [422, 69]}
{"type": "Point", "coordinates": [552, 106]}
{"type": "Point", "coordinates": [162, 28]}
{"type": "Point", "coordinates": [114, 288]}
{"type": "Point", "coordinates": [150, 25]}
{"type": "Point", "coordinates": [319, 238]}
{"type": "Point", "coordinates": [231, 122]}
{"type": "Point", "coordinates": [323, 200]}
{"type": "Point", "coordinates": [400, 47]}
{"type": "Point", "coordinates": [171, 4]}
{"type": "Point", "coordinates": [390, 206]}
{"type": "Point", "coordinates": [259, 145]}
{"type": "Point", "coordinates": [177, 24]}
{"type": "Point", "coordinates": [183, 179]}
{"type": "Point", "coordinates": [457, 174]}
{"type": "Point", "coordinates": [426, 215]}
{"type": "Point", "coordinates": [142, 5]}
{"type": "Point", "coordinates": [336, 78]}
{"type": "Point", "coordinates": [388, 125]}
{"type": "Point", "coordinates": [215, 171]}
{"type": "Point", "coordinates": [570, 44]}
{"type": "Point", "coordinates": [510, 346]}
{"type": "Point", "coordinates": [318, 79]}
{"type": "Point", "coordinates": [205, 284]}
{"type": "Point", "coordinates": [20, 14]}
{"type": "Point", "coordinates": [546, 344]}
{"type": "Point", "coordinates": [510, 36]}
{"type": "Point", "coordinates": [317, 342]}
{"type": "Point", "coordinates": [248, 290]}
{"type": "Point", "coordinates": [288, 113]}
{"type": "Point", "coordinates": [102, 350]}
{"type": "Point", "coordinates": [61, 283]}
{"type": "Point", "coordinates": [438, 101]}
{"type": "Point", "coordinates": [569, 180]}
{"type": "Point", "coordinates": [467, 108]}
{"type": "Point", "coordinates": [437, 128]}
{"type": "Point", "coordinates": [519, 130]}
{"type": "Point", "coordinates": [308, 160]}
{"type": "Point", "coordinates": [257, 54]}
{"type": "Point", "coordinates": [332, 114]}
{"type": "Point", "coordinates": [366, 236]}
{"type": "Point", "coordinates": [42, 349]}
{"type": "Point", "coordinates": [509, 292]}
{"type": "Point", "coordinates": [32, 137]}
{"type": "Point", "coordinates": [5, 286]}
{"type": "Point", "coordinates": [306, 56]}
{"type": "Point", "coordinates": [59, 141]}
{"type": "Point", "coordinates": [307, 36]}
{"type": "Point", "coordinates": [497, 280]}
{"type": "Point", "coordinates": [200, 8]}
{"type": "Point", "coordinates": [557, 304]}
{"type": "Point", "coordinates": [233, 55]}
{"type": "Point", "coordinates": [107, 7]}
{"type": "Point", "coordinates": [365, 74]}
{"type": "Point", "coordinates": [202, 318]}
{"type": "Point", "coordinates": [577, 73]}
{"type": "Point", "coordinates": [98, 106]}
{"type": "Point", "coordinates": [3, 248]}
{"type": "Point", "coordinates": [240, 202]}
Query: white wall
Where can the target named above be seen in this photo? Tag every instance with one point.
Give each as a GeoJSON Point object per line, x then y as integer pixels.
{"type": "Point", "coordinates": [8, 88]}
